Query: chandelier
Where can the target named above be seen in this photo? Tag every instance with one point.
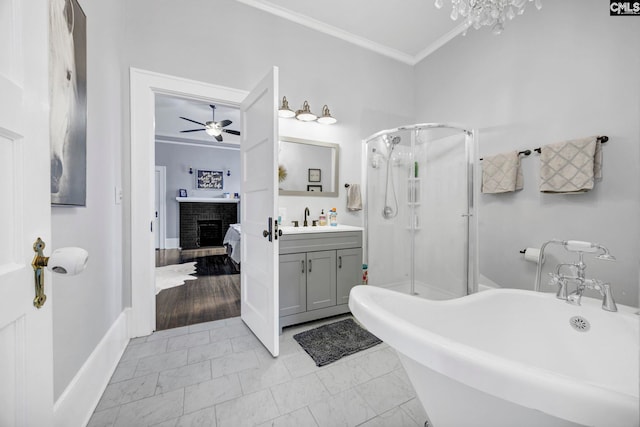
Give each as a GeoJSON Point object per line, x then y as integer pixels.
{"type": "Point", "coordinates": [481, 13]}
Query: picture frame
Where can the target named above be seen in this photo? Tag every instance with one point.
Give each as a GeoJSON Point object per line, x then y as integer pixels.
{"type": "Point", "coordinates": [315, 175]}
{"type": "Point", "coordinates": [182, 192]}
{"type": "Point", "coordinates": [315, 188]}
{"type": "Point", "coordinates": [68, 100]}
{"type": "Point", "coordinates": [209, 180]}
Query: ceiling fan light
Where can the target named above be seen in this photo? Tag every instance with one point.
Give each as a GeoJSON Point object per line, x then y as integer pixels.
{"type": "Point", "coordinates": [305, 114]}
{"type": "Point", "coordinates": [326, 118]}
{"type": "Point", "coordinates": [284, 111]}
{"type": "Point", "coordinates": [212, 130]}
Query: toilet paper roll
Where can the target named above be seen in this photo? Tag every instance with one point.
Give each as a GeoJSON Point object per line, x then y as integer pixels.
{"type": "Point", "coordinates": [532, 254]}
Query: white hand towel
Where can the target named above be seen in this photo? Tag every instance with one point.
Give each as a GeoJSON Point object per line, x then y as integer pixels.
{"type": "Point", "coordinates": [502, 173]}
{"type": "Point", "coordinates": [570, 166]}
{"type": "Point", "coordinates": [354, 198]}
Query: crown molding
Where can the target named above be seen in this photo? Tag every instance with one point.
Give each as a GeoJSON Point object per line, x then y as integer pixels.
{"type": "Point", "coordinates": [441, 41]}
{"type": "Point", "coordinates": [165, 139]}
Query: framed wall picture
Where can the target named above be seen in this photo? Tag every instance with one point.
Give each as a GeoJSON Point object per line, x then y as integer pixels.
{"type": "Point", "coordinates": [315, 175]}
{"type": "Point", "coordinates": [68, 100]}
{"type": "Point", "coordinates": [209, 180]}
{"type": "Point", "coordinates": [182, 192]}
{"type": "Point", "coordinates": [317, 188]}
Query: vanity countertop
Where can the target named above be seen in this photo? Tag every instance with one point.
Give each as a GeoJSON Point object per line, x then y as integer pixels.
{"type": "Point", "coordinates": [206, 200]}
{"type": "Point", "coordinates": [288, 229]}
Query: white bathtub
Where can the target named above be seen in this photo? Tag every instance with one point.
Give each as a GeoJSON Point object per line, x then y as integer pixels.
{"type": "Point", "coordinates": [510, 357]}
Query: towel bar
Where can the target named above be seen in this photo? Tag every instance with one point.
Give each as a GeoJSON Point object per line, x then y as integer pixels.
{"type": "Point", "coordinates": [602, 140]}
{"type": "Point", "coordinates": [525, 152]}
{"type": "Point", "coordinates": [347, 185]}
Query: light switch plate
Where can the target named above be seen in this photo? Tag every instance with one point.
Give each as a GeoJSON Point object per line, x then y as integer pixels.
{"type": "Point", "coordinates": [118, 195]}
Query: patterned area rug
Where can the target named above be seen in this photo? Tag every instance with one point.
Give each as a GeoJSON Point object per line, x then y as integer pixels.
{"type": "Point", "coordinates": [328, 343]}
{"type": "Point", "coordinates": [173, 275]}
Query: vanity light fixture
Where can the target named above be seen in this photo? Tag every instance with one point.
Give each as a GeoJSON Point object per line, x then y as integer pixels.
{"type": "Point", "coordinates": [305, 114]}
{"type": "Point", "coordinates": [326, 118]}
{"type": "Point", "coordinates": [284, 111]}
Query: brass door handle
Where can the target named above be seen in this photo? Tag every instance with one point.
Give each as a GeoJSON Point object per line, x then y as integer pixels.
{"type": "Point", "coordinates": [70, 261]}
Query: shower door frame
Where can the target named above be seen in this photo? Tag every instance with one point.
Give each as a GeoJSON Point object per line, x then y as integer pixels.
{"type": "Point", "coordinates": [472, 172]}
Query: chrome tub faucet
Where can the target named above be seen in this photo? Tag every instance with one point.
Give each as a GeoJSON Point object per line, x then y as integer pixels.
{"type": "Point", "coordinates": [577, 273]}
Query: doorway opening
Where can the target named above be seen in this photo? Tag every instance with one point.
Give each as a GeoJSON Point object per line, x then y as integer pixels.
{"type": "Point", "coordinates": [197, 279]}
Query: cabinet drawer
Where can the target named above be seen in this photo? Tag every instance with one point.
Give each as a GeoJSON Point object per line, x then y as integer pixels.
{"type": "Point", "coordinates": [292, 243]}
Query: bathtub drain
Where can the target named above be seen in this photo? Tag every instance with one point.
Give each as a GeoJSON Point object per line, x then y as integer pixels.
{"type": "Point", "coordinates": [579, 323]}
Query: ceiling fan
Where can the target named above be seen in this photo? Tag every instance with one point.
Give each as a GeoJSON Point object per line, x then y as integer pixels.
{"type": "Point", "coordinates": [212, 127]}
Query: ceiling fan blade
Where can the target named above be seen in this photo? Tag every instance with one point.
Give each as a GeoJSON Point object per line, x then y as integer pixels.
{"type": "Point", "coordinates": [224, 123]}
{"type": "Point", "coordinates": [193, 121]}
{"type": "Point", "coordinates": [218, 138]}
{"type": "Point", "coordinates": [232, 132]}
{"type": "Point", "coordinates": [192, 130]}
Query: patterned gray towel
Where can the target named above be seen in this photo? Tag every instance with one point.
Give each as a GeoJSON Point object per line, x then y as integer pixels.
{"type": "Point", "coordinates": [570, 166]}
{"type": "Point", "coordinates": [502, 173]}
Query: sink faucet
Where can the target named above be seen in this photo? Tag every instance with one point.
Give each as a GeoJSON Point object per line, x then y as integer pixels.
{"type": "Point", "coordinates": [306, 212]}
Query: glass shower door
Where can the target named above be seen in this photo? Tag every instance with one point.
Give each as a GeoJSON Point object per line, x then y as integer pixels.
{"type": "Point", "coordinates": [419, 187]}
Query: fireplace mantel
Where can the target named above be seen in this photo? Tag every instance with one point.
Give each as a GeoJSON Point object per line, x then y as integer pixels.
{"type": "Point", "coordinates": [206, 200]}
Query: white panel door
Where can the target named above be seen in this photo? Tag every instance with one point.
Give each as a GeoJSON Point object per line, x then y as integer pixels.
{"type": "Point", "coordinates": [26, 355]}
{"type": "Point", "coordinates": [259, 159]}
{"type": "Point", "coordinates": [156, 229]}
{"type": "Point", "coordinates": [159, 222]}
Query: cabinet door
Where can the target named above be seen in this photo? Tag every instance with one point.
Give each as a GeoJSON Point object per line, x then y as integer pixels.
{"type": "Point", "coordinates": [321, 279]}
{"type": "Point", "coordinates": [293, 284]}
{"type": "Point", "coordinates": [349, 272]}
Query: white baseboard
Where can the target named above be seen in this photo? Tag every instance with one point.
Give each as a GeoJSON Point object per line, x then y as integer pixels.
{"type": "Point", "coordinates": [173, 243]}
{"type": "Point", "coordinates": [76, 404]}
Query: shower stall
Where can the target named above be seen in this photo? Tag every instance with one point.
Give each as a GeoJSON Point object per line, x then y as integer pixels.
{"type": "Point", "coordinates": [420, 219]}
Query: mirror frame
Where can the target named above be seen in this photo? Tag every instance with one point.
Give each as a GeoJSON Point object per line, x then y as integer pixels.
{"type": "Point", "coordinates": [336, 167]}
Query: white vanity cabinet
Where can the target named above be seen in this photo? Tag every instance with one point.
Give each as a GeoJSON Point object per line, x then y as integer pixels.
{"type": "Point", "coordinates": [317, 272]}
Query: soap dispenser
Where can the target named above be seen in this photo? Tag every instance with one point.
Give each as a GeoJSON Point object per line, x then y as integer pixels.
{"type": "Point", "coordinates": [333, 217]}
{"type": "Point", "coordinates": [323, 218]}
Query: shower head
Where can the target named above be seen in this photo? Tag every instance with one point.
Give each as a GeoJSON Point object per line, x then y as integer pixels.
{"type": "Point", "coordinates": [390, 141]}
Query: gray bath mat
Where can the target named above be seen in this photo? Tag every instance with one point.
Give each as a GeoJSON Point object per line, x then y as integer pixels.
{"type": "Point", "coordinates": [328, 343]}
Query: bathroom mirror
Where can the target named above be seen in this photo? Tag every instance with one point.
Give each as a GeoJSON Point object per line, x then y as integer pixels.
{"type": "Point", "coordinates": [307, 168]}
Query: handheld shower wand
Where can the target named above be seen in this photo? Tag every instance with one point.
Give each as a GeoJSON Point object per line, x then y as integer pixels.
{"type": "Point", "coordinates": [388, 212]}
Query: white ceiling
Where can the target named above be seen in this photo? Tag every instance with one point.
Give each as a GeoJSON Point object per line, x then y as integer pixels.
{"type": "Point", "coordinates": [406, 30]}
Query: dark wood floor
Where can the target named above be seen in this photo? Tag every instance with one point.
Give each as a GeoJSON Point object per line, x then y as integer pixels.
{"type": "Point", "coordinates": [214, 295]}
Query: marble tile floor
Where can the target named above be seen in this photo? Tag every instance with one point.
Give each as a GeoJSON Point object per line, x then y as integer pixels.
{"type": "Point", "coordinates": [217, 374]}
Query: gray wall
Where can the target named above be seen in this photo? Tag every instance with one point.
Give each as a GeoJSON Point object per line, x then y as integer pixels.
{"type": "Point", "coordinates": [564, 72]}
{"type": "Point", "coordinates": [85, 306]}
{"type": "Point", "coordinates": [178, 159]}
